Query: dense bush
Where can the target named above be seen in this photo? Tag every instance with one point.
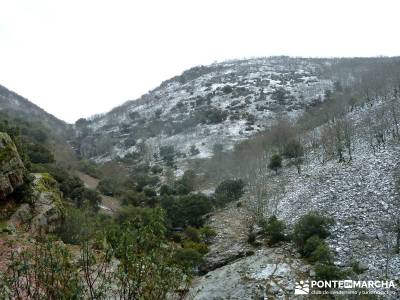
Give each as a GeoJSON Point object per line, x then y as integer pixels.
{"type": "Point", "coordinates": [251, 237]}
{"type": "Point", "coordinates": [182, 186]}
{"type": "Point", "coordinates": [274, 229]}
{"type": "Point", "coordinates": [293, 149]}
{"type": "Point", "coordinates": [321, 254]}
{"type": "Point", "coordinates": [228, 191]}
{"type": "Point", "coordinates": [151, 197]}
{"type": "Point", "coordinates": [227, 89]}
{"type": "Point", "coordinates": [167, 154]}
{"type": "Point", "coordinates": [144, 180]}
{"type": "Point", "coordinates": [156, 169]}
{"type": "Point", "coordinates": [192, 234]}
{"type": "Point", "coordinates": [328, 272]}
{"type": "Point", "coordinates": [149, 192]}
{"type": "Point", "coordinates": [82, 196]}
{"type": "Point", "coordinates": [73, 189]}
{"type": "Point", "coordinates": [92, 198]}
{"type": "Point", "coordinates": [134, 198]}
{"type": "Point", "coordinates": [188, 258]}
{"type": "Point", "coordinates": [39, 154]}
{"type": "Point", "coordinates": [81, 224]}
{"type": "Point", "coordinates": [186, 210]}
{"type": "Point", "coordinates": [74, 228]}
{"type": "Point", "coordinates": [187, 183]}
{"type": "Point", "coordinates": [316, 250]}
{"type": "Point", "coordinates": [166, 190]}
{"type": "Point", "coordinates": [134, 216]}
{"type": "Point", "coordinates": [110, 187]}
{"type": "Point", "coordinates": [199, 247]}
{"type": "Point", "coordinates": [211, 116]}
{"type": "Point", "coordinates": [46, 272]}
{"type": "Point", "coordinates": [310, 225]}
{"type": "Point", "coordinates": [275, 163]}
{"type": "Point", "coordinates": [310, 245]}
{"type": "Point", "coordinates": [309, 234]}
{"type": "Point", "coordinates": [148, 266]}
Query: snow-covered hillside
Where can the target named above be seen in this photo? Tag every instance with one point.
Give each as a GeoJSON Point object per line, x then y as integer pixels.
{"type": "Point", "coordinates": [218, 104]}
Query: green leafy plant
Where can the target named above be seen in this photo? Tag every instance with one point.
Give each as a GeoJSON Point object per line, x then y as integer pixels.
{"type": "Point", "coordinates": [275, 162]}
{"type": "Point", "coordinates": [147, 268]}
{"type": "Point", "coordinates": [274, 229]}
{"type": "Point", "coordinates": [309, 225]}
{"type": "Point", "coordinates": [228, 191]}
{"type": "Point", "coordinates": [45, 272]}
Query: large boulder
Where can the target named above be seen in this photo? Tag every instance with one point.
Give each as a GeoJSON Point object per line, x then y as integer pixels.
{"type": "Point", "coordinates": [46, 211]}
{"type": "Point", "coordinates": [11, 166]}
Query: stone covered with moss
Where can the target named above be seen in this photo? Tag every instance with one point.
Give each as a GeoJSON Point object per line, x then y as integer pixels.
{"type": "Point", "coordinates": [11, 166]}
{"type": "Point", "coordinates": [46, 211]}
{"type": "Point", "coordinates": [49, 208]}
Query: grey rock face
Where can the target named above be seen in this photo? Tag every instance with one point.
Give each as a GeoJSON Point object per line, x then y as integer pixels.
{"type": "Point", "coordinates": [11, 166]}
{"type": "Point", "coordinates": [264, 275]}
{"type": "Point", "coordinates": [46, 211]}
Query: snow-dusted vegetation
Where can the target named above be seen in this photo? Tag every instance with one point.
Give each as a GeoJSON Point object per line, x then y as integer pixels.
{"type": "Point", "coordinates": [218, 104]}
{"type": "Point", "coordinates": [237, 180]}
{"type": "Point", "coordinates": [307, 136]}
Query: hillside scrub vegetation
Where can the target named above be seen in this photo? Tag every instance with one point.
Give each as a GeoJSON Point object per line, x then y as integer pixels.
{"type": "Point", "coordinates": [159, 239]}
{"type": "Point", "coordinates": [228, 191]}
{"type": "Point", "coordinates": [146, 268]}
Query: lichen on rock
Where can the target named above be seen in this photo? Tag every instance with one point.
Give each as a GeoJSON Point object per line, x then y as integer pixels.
{"type": "Point", "coordinates": [11, 166]}
{"type": "Point", "coordinates": [46, 211]}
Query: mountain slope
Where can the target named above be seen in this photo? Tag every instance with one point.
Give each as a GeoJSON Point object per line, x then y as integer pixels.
{"type": "Point", "coordinates": [222, 104]}
{"type": "Point", "coordinates": [17, 106]}
{"type": "Point", "coordinates": [37, 125]}
{"type": "Point", "coordinates": [218, 104]}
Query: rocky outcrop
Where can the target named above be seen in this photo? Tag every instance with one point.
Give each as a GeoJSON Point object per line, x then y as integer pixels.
{"type": "Point", "coordinates": [230, 243]}
{"type": "Point", "coordinates": [11, 166]}
{"type": "Point", "coordinates": [234, 269]}
{"type": "Point", "coordinates": [270, 273]}
{"type": "Point", "coordinates": [46, 211]}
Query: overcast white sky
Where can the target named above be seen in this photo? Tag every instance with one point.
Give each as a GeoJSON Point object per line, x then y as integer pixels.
{"type": "Point", "coordinates": [75, 58]}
